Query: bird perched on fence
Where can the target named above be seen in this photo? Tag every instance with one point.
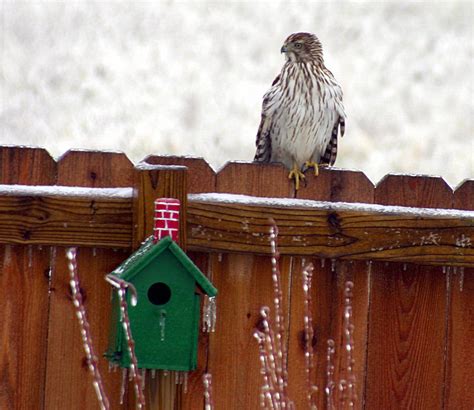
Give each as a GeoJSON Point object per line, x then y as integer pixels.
{"type": "Point", "coordinates": [302, 112]}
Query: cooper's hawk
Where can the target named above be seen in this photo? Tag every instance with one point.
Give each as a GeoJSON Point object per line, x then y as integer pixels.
{"type": "Point", "coordinates": [302, 112]}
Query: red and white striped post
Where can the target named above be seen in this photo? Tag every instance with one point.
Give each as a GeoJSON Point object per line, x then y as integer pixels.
{"type": "Point", "coordinates": [166, 218]}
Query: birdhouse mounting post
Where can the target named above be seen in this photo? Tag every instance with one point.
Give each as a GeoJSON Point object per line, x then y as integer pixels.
{"type": "Point", "coordinates": [152, 182]}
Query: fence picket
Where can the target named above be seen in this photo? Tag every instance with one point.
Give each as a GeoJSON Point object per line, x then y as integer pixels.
{"type": "Point", "coordinates": [68, 383]}
{"type": "Point", "coordinates": [459, 392]}
{"type": "Point", "coordinates": [245, 285]}
{"type": "Point", "coordinates": [407, 322]}
{"type": "Point", "coordinates": [24, 300]}
{"type": "Point", "coordinates": [328, 294]}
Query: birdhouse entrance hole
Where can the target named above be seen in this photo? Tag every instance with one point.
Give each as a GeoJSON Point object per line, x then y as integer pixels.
{"type": "Point", "coordinates": [159, 293]}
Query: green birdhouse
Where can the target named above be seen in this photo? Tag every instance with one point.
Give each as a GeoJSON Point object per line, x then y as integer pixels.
{"type": "Point", "coordinates": [165, 320]}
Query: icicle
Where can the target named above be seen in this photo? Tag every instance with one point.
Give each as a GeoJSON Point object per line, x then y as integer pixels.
{"type": "Point", "coordinates": [30, 256]}
{"type": "Point", "coordinates": [348, 386]}
{"type": "Point", "coordinates": [404, 267]}
{"type": "Point", "coordinates": [219, 257]}
{"type": "Point", "coordinates": [207, 381]}
{"type": "Point", "coordinates": [123, 384]}
{"type": "Point", "coordinates": [209, 316]}
{"type": "Point", "coordinates": [143, 378]}
{"type": "Point", "coordinates": [185, 382]}
{"type": "Point", "coordinates": [52, 261]}
{"type": "Point", "coordinates": [153, 373]}
{"type": "Point", "coordinates": [444, 269]}
{"type": "Point", "coordinates": [308, 327]}
{"type": "Point", "coordinates": [461, 278]}
{"type": "Point", "coordinates": [94, 252]}
{"type": "Point", "coordinates": [123, 286]}
{"type": "Point", "coordinates": [272, 348]}
{"type": "Point", "coordinates": [7, 256]}
{"type": "Point", "coordinates": [162, 323]}
{"type": "Point", "coordinates": [85, 329]}
{"type": "Point", "coordinates": [333, 265]}
{"type": "Point", "coordinates": [330, 374]}
{"type": "Point", "coordinates": [323, 262]}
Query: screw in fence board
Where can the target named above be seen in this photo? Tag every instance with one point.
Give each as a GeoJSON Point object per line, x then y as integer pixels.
{"type": "Point", "coordinates": [245, 285]}
{"type": "Point", "coordinates": [151, 182]}
{"type": "Point", "coordinates": [24, 296]}
{"type": "Point", "coordinates": [68, 383]}
{"type": "Point", "coordinates": [407, 321]}
{"type": "Point", "coordinates": [201, 178]}
{"type": "Point", "coordinates": [459, 390]}
{"type": "Point", "coordinates": [328, 294]}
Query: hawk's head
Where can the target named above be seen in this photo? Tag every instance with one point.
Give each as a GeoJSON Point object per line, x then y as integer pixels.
{"type": "Point", "coordinates": [303, 47]}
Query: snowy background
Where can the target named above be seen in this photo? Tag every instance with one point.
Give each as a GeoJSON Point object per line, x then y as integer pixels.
{"type": "Point", "coordinates": [188, 78]}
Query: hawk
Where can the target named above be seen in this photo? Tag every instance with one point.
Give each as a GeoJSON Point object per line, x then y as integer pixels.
{"type": "Point", "coordinates": [302, 112]}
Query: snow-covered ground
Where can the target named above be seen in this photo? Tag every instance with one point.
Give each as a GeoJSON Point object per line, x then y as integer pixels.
{"type": "Point", "coordinates": [188, 78]}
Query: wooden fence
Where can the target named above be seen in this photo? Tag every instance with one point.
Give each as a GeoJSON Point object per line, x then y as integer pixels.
{"type": "Point", "coordinates": [413, 299]}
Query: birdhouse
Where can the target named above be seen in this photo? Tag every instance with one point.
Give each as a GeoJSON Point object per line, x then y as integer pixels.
{"type": "Point", "coordinates": [165, 320]}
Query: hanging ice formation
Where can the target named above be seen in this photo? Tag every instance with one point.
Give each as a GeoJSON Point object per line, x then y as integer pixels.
{"type": "Point", "coordinates": [162, 323]}
{"type": "Point", "coordinates": [209, 314]}
{"type": "Point", "coordinates": [122, 288]}
{"type": "Point", "coordinates": [77, 300]}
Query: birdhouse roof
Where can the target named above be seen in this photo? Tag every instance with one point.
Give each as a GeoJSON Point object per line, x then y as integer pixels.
{"type": "Point", "coordinates": [149, 251]}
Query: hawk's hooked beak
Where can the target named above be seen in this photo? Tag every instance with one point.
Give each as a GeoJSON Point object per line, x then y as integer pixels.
{"type": "Point", "coordinates": [284, 49]}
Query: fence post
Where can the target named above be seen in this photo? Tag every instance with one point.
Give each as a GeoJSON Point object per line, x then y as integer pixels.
{"type": "Point", "coordinates": [151, 182]}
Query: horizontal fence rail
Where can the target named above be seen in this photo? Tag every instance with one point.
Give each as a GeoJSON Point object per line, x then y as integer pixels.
{"type": "Point", "coordinates": [102, 217]}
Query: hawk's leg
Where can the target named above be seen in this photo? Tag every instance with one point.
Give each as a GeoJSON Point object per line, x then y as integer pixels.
{"type": "Point", "coordinates": [297, 175]}
{"type": "Point", "coordinates": [315, 165]}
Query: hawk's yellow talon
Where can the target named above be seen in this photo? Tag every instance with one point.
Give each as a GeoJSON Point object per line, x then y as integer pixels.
{"type": "Point", "coordinates": [297, 175]}
{"type": "Point", "coordinates": [315, 165]}
{"type": "Point", "coordinates": [311, 164]}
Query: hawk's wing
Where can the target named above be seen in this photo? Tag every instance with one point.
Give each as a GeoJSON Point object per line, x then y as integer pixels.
{"type": "Point", "coordinates": [264, 140]}
{"type": "Point", "coordinates": [330, 154]}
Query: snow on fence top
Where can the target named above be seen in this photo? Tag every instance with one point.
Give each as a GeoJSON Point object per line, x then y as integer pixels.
{"type": "Point", "coordinates": [68, 191]}
{"type": "Point", "coordinates": [294, 203]}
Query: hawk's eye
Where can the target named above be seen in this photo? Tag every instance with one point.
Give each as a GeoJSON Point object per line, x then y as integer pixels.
{"type": "Point", "coordinates": [298, 45]}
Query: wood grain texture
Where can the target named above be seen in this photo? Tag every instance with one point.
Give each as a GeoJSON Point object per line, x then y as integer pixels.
{"type": "Point", "coordinates": [329, 278]}
{"type": "Point", "coordinates": [244, 284]}
{"type": "Point", "coordinates": [337, 185]}
{"type": "Point", "coordinates": [150, 184]}
{"type": "Point", "coordinates": [256, 179]}
{"type": "Point", "coordinates": [95, 169]}
{"type": "Point", "coordinates": [459, 392]}
{"type": "Point", "coordinates": [201, 177]}
{"type": "Point", "coordinates": [68, 382]}
{"type": "Point", "coordinates": [329, 233]}
{"type": "Point", "coordinates": [24, 299]}
{"type": "Point", "coordinates": [408, 311]}
{"type": "Point", "coordinates": [29, 166]}
{"type": "Point", "coordinates": [66, 221]}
